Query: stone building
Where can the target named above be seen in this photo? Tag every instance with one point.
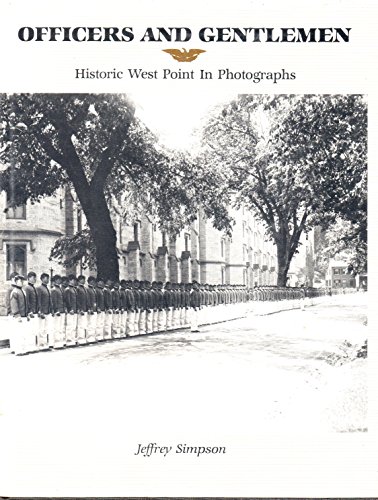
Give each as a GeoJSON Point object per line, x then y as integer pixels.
{"type": "Point", "coordinates": [200, 252]}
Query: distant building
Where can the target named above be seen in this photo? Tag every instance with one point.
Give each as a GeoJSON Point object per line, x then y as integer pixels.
{"type": "Point", "coordinates": [199, 252]}
{"type": "Point", "coordinates": [337, 275]}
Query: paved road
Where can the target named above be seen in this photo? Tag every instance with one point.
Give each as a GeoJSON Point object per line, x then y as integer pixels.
{"type": "Point", "coordinates": [292, 370]}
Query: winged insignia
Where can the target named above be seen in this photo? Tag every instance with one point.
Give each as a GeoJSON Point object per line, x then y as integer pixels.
{"type": "Point", "coordinates": [184, 55]}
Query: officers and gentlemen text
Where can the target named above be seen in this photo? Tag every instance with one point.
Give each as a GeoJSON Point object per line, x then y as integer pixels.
{"type": "Point", "coordinates": [183, 34]}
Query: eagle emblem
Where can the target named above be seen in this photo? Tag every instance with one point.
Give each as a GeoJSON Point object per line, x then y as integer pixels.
{"type": "Point", "coordinates": [184, 55]}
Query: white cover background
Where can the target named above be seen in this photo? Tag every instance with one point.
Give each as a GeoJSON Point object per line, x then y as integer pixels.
{"type": "Point", "coordinates": [99, 460]}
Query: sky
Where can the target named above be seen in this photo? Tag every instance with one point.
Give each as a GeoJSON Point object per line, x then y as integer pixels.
{"type": "Point", "coordinates": [175, 118]}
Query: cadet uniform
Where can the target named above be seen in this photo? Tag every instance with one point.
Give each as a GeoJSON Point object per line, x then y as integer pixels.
{"type": "Point", "coordinates": [32, 325]}
{"type": "Point", "coordinates": [58, 310]}
{"type": "Point", "coordinates": [116, 307]}
{"type": "Point", "coordinates": [19, 341]}
{"type": "Point", "coordinates": [100, 318]}
{"type": "Point", "coordinates": [150, 306]}
{"type": "Point", "coordinates": [162, 314]}
{"type": "Point", "coordinates": [155, 311]}
{"type": "Point", "coordinates": [168, 305]}
{"type": "Point", "coordinates": [91, 315]}
{"type": "Point", "coordinates": [70, 302]}
{"type": "Point", "coordinates": [108, 301]}
{"type": "Point", "coordinates": [195, 304]}
{"type": "Point", "coordinates": [45, 337]}
{"type": "Point", "coordinates": [82, 317]}
{"type": "Point", "coordinates": [123, 310]}
{"type": "Point", "coordinates": [130, 306]}
{"type": "Point", "coordinates": [142, 309]}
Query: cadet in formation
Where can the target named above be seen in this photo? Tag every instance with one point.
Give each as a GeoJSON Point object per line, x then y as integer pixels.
{"type": "Point", "coordinates": [76, 311]}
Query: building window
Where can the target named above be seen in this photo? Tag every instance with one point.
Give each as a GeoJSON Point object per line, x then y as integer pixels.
{"type": "Point", "coordinates": [222, 276]}
{"type": "Point", "coordinates": [15, 212]}
{"type": "Point", "coordinates": [140, 263]}
{"type": "Point", "coordinates": [187, 241]}
{"type": "Point", "coordinates": [164, 239]}
{"type": "Point", "coordinates": [243, 228]}
{"type": "Point", "coordinates": [222, 247]}
{"type": "Point", "coordinates": [16, 259]}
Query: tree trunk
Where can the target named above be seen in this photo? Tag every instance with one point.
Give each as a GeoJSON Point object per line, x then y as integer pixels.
{"type": "Point", "coordinates": [283, 262]}
{"type": "Point", "coordinates": [104, 237]}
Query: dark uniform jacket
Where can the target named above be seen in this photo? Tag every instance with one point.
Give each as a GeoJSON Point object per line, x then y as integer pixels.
{"type": "Point", "coordinates": [108, 298]}
{"type": "Point", "coordinates": [186, 299]}
{"type": "Point", "coordinates": [116, 299]}
{"type": "Point", "coordinates": [70, 299]}
{"type": "Point", "coordinates": [130, 300]}
{"type": "Point", "coordinates": [160, 302]}
{"type": "Point", "coordinates": [57, 299]}
{"type": "Point", "coordinates": [44, 299]}
{"type": "Point", "coordinates": [168, 298]}
{"type": "Point", "coordinates": [155, 298]}
{"type": "Point", "coordinates": [122, 298]}
{"type": "Point", "coordinates": [81, 293]}
{"type": "Point", "coordinates": [137, 298]}
{"type": "Point", "coordinates": [91, 298]}
{"type": "Point", "coordinates": [195, 298]}
{"type": "Point", "coordinates": [32, 298]}
{"type": "Point", "coordinates": [149, 299]}
{"type": "Point", "coordinates": [100, 299]}
{"type": "Point", "coordinates": [18, 302]}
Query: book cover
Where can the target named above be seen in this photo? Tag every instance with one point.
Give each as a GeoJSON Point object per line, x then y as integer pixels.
{"type": "Point", "coordinates": [210, 150]}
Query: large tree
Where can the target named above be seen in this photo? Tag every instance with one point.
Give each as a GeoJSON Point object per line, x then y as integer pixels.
{"type": "Point", "coordinates": [94, 144]}
{"type": "Point", "coordinates": [297, 161]}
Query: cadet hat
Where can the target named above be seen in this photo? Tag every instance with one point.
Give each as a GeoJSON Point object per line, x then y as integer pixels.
{"type": "Point", "coordinates": [19, 277]}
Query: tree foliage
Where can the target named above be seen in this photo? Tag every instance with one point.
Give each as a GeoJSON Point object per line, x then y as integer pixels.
{"type": "Point", "coordinates": [295, 160]}
{"type": "Point", "coordinates": [94, 144]}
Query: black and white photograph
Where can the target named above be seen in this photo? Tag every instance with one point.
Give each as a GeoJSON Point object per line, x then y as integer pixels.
{"type": "Point", "coordinates": [187, 279]}
{"type": "Point", "coordinates": [244, 256]}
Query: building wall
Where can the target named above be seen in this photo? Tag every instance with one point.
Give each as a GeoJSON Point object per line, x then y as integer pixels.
{"type": "Point", "coordinates": [36, 234]}
{"type": "Point", "coordinates": [200, 252]}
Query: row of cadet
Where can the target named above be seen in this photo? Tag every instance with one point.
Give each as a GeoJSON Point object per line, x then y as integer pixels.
{"type": "Point", "coordinates": [72, 312]}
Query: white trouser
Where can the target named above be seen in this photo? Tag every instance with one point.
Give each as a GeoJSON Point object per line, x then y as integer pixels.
{"type": "Point", "coordinates": [169, 317]}
{"type": "Point", "coordinates": [108, 324]}
{"type": "Point", "coordinates": [177, 317]}
{"type": "Point", "coordinates": [182, 316]}
{"type": "Point", "coordinates": [58, 326]}
{"type": "Point", "coordinates": [71, 329]}
{"type": "Point", "coordinates": [33, 334]}
{"type": "Point", "coordinates": [194, 319]}
{"type": "Point", "coordinates": [42, 340]}
{"type": "Point", "coordinates": [122, 323]}
{"type": "Point", "coordinates": [91, 327]}
{"type": "Point", "coordinates": [100, 319]}
{"type": "Point", "coordinates": [82, 327]}
{"type": "Point", "coordinates": [149, 320]}
{"type": "Point", "coordinates": [20, 335]}
{"type": "Point", "coordinates": [162, 320]}
{"type": "Point", "coordinates": [155, 320]}
{"type": "Point", "coordinates": [116, 327]}
{"type": "Point", "coordinates": [142, 322]}
{"type": "Point", "coordinates": [130, 323]}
